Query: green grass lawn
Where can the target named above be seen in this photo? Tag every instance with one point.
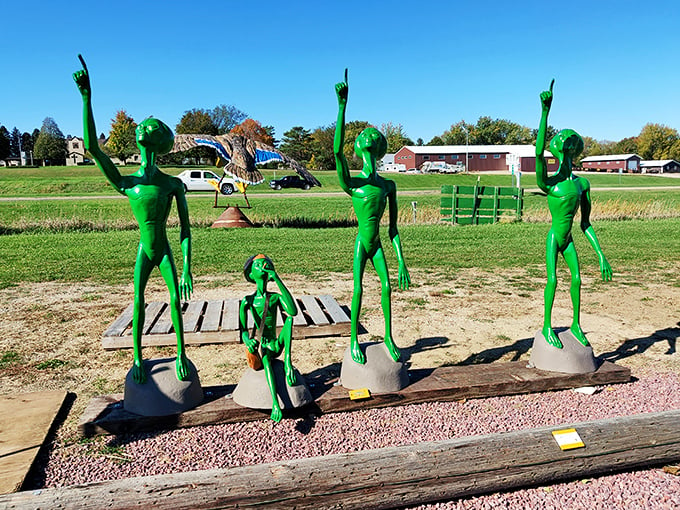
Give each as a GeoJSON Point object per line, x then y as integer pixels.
{"type": "Point", "coordinates": [95, 239]}
{"type": "Point", "coordinates": [88, 180]}
{"type": "Point", "coordinates": [77, 256]}
{"type": "Point", "coordinates": [302, 209]}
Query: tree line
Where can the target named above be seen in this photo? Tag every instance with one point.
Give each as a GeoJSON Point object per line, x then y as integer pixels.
{"type": "Point", "coordinates": [37, 144]}
{"type": "Point", "coordinates": [314, 147]}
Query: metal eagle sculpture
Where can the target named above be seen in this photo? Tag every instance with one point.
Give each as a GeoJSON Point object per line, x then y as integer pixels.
{"type": "Point", "coordinates": [241, 154]}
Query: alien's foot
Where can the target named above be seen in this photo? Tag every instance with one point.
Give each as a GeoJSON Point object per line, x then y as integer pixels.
{"type": "Point", "coordinates": [393, 349]}
{"type": "Point", "coordinates": [579, 334]}
{"type": "Point", "coordinates": [182, 367]}
{"type": "Point", "coordinates": [138, 372]}
{"type": "Point", "coordinates": [357, 354]}
{"type": "Point", "coordinates": [276, 414]}
{"type": "Point", "coordinates": [551, 337]}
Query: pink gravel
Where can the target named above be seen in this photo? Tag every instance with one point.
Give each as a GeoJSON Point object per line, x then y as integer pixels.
{"type": "Point", "coordinates": [222, 446]}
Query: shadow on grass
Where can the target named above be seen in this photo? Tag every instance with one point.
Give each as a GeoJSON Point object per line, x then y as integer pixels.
{"type": "Point", "coordinates": [308, 223]}
{"type": "Point", "coordinates": [518, 348]}
{"type": "Point", "coordinates": [422, 345]}
{"type": "Point", "coordinates": [639, 345]}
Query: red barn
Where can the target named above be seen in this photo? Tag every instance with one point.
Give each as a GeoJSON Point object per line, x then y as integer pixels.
{"type": "Point", "coordinates": [480, 158]}
{"type": "Point", "coordinates": [612, 163]}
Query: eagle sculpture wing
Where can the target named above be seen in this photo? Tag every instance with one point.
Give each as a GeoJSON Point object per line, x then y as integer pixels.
{"type": "Point", "coordinates": [241, 154]}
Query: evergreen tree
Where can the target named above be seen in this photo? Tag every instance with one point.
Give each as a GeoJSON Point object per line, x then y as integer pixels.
{"type": "Point", "coordinates": [15, 143]}
{"type": "Point", "coordinates": [51, 143]}
{"type": "Point", "coordinates": [27, 146]}
{"type": "Point", "coordinates": [4, 143]}
{"type": "Point", "coordinates": [297, 143]}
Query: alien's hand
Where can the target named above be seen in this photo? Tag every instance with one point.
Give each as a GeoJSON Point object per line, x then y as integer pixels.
{"type": "Point", "coordinates": [404, 277]}
{"type": "Point", "coordinates": [341, 90]}
{"type": "Point", "coordinates": [547, 97]}
{"type": "Point", "coordinates": [186, 285]}
{"type": "Point", "coordinates": [82, 79]}
{"type": "Point", "coordinates": [606, 270]}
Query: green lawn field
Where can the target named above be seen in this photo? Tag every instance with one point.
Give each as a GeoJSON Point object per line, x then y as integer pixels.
{"type": "Point", "coordinates": [88, 180]}
{"type": "Point", "coordinates": [71, 239]}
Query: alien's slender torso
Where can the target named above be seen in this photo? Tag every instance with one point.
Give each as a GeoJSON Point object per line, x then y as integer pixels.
{"type": "Point", "coordinates": [564, 199]}
{"type": "Point", "coordinates": [151, 203]}
{"type": "Point", "coordinates": [369, 199]}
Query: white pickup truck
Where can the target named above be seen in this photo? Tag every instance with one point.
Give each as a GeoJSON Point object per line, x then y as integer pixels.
{"type": "Point", "coordinates": [205, 180]}
{"type": "Point", "coordinates": [441, 167]}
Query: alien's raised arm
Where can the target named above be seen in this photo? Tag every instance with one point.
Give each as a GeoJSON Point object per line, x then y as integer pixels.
{"type": "Point", "coordinates": [341, 90]}
{"type": "Point", "coordinates": [287, 300]}
{"type": "Point", "coordinates": [541, 165]}
{"type": "Point", "coordinates": [82, 79]}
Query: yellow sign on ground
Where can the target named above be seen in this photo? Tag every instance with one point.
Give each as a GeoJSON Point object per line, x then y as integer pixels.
{"type": "Point", "coordinates": [568, 439]}
{"type": "Point", "coordinates": [359, 394]}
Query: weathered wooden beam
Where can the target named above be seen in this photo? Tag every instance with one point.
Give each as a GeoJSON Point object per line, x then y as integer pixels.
{"type": "Point", "coordinates": [105, 414]}
{"type": "Point", "coordinates": [390, 477]}
{"type": "Point", "coordinates": [473, 381]}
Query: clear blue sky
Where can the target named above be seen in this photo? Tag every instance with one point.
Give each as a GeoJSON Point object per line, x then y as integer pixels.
{"type": "Point", "coordinates": [425, 65]}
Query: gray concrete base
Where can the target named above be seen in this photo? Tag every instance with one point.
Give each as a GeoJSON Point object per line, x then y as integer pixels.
{"type": "Point", "coordinates": [162, 394]}
{"type": "Point", "coordinates": [380, 373]}
{"type": "Point", "coordinates": [252, 390]}
{"type": "Point", "coordinates": [572, 358]}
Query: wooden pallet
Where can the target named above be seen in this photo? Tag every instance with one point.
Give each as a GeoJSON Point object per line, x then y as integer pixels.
{"type": "Point", "coordinates": [208, 322]}
{"type": "Point", "coordinates": [105, 414]}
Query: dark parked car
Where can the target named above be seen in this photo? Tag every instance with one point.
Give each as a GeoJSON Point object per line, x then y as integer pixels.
{"type": "Point", "coordinates": [290, 181]}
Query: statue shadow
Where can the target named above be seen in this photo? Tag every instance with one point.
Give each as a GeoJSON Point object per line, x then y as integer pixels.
{"type": "Point", "coordinates": [517, 349]}
{"type": "Point", "coordinates": [318, 381]}
{"type": "Point", "coordinates": [639, 345]}
{"type": "Point", "coordinates": [423, 344]}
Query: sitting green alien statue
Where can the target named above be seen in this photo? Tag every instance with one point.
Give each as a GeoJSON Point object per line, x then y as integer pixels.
{"type": "Point", "coordinates": [150, 193]}
{"type": "Point", "coordinates": [264, 345]}
{"type": "Point", "coordinates": [566, 192]}
{"type": "Point", "coordinates": [370, 194]}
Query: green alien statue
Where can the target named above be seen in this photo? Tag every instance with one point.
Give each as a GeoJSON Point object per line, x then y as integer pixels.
{"type": "Point", "coordinates": [370, 194]}
{"type": "Point", "coordinates": [150, 193]}
{"type": "Point", "coordinates": [265, 346]}
{"type": "Point", "coordinates": [566, 192]}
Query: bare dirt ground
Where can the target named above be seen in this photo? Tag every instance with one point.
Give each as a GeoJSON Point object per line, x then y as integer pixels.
{"type": "Point", "coordinates": [50, 333]}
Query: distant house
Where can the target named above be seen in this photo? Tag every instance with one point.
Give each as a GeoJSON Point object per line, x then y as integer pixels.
{"type": "Point", "coordinates": [75, 150]}
{"type": "Point", "coordinates": [10, 161]}
{"type": "Point", "coordinates": [612, 163]}
{"type": "Point", "coordinates": [659, 166]}
{"type": "Point", "coordinates": [387, 164]}
{"type": "Point", "coordinates": [480, 158]}
{"type": "Point", "coordinates": [75, 147]}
